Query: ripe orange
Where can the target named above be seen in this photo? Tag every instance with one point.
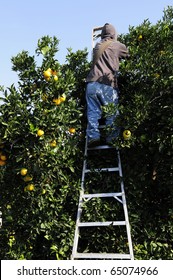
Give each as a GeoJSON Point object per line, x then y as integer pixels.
{"type": "Point", "coordinates": [57, 101]}
{"type": "Point", "coordinates": [3, 157]}
{"type": "Point", "coordinates": [54, 73]}
{"type": "Point", "coordinates": [40, 132]}
{"type": "Point", "coordinates": [47, 78]}
{"type": "Point", "coordinates": [55, 78]}
{"type": "Point", "coordinates": [47, 74]}
{"type": "Point", "coordinates": [23, 171]}
{"type": "Point", "coordinates": [2, 162]}
{"type": "Point", "coordinates": [53, 143]}
{"type": "Point", "coordinates": [72, 130]}
{"type": "Point", "coordinates": [140, 37]}
{"type": "Point", "coordinates": [63, 98]}
{"type": "Point", "coordinates": [29, 187]}
{"type": "Point", "coordinates": [126, 134]}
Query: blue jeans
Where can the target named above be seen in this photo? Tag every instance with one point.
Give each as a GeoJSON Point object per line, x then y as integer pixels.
{"type": "Point", "coordinates": [98, 95]}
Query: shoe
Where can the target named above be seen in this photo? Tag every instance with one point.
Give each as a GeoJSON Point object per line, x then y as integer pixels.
{"type": "Point", "coordinates": [93, 143]}
{"type": "Point", "coordinates": [109, 143]}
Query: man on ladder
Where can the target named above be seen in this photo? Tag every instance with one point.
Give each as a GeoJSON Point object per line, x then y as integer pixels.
{"type": "Point", "coordinates": [102, 90]}
{"type": "Point", "coordinates": [102, 87]}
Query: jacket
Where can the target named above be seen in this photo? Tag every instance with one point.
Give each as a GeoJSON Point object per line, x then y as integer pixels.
{"type": "Point", "coordinates": [104, 69]}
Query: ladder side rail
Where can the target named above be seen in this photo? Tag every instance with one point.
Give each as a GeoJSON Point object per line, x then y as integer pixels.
{"type": "Point", "coordinates": [79, 210]}
{"type": "Point", "coordinates": [94, 31]}
{"type": "Point", "coordinates": [125, 208]}
{"type": "Point", "coordinates": [84, 168]}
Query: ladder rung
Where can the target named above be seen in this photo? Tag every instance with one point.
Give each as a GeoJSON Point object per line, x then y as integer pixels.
{"type": "Point", "coordinates": [101, 256]}
{"type": "Point", "coordinates": [102, 195]}
{"type": "Point", "coordinates": [110, 169]}
{"type": "Point", "coordinates": [98, 224]}
{"type": "Point", "coordinates": [101, 147]}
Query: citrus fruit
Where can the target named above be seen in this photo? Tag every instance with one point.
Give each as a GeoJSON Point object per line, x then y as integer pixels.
{"type": "Point", "coordinates": [29, 187]}
{"type": "Point", "coordinates": [3, 157]}
{"type": "Point", "coordinates": [72, 130]}
{"type": "Point", "coordinates": [63, 98]}
{"type": "Point", "coordinates": [126, 134]}
{"type": "Point", "coordinates": [23, 171]}
{"type": "Point", "coordinates": [40, 132]}
{"type": "Point", "coordinates": [57, 101]}
{"type": "Point", "coordinates": [53, 143]}
{"type": "Point", "coordinates": [43, 191]}
{"type": "Point", "coordinates": [2, 162]}
{"type": "Point", "coordinates": [27, 178]}
{"type": "Point", "coordinates": [55, 78]}
{"type": "Point", "coordinates": [47, 74]}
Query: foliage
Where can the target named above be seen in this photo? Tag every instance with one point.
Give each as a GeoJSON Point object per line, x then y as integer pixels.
{"type": "Point", "coordinates": [39, 219]}
{"type": "Point", "coordinates": [146, 110]}
{"type": "Point", "coordinates": [39, 208]}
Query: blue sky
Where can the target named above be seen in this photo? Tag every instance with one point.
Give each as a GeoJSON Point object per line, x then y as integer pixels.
{"type": "Point", "coordinates": [22, 23]}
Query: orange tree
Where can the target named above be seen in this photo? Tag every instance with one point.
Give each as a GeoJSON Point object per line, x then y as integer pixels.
{"type": "Point", "coordinates": [146, 110]}
{"type": "Point", "coordinates": [42, 127]}
{"type": "Point", "coordinates": [40, 156]}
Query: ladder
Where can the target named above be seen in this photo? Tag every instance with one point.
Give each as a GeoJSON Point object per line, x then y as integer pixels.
{"type": "Point", "coordinates": [84, 198]}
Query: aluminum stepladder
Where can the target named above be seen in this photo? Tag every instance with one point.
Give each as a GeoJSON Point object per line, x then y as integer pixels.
{"type": "Point", "coordinates": [85, 197]}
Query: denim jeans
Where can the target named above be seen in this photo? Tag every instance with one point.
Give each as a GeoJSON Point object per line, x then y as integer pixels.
{"type": "Point", "coordinates": [98, 95]}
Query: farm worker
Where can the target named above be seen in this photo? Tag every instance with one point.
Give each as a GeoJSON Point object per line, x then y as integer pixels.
{"type": "Point", "coordinates": [102, 87]}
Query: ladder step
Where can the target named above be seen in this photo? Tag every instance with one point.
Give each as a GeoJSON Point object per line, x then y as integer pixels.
{"type": "Point", "coordinates": [101, 147]}
{"type": "Point", "coordinates": [110, 169]}
{"type": "Point", "coordinates": [102, 195]}
{"type": "Point", "coordinates": [98, 224]}
{"type": "Point", "coordinates": [101, 256]}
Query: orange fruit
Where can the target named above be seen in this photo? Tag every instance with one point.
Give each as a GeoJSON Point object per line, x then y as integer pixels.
{"type": "Point", "coordinates": [140, 37]}
{"type": "Point", "coordinates": [57, 101]}
{"type": "Point", "coordinates": [2, 162]}
{"type": "Point", "coordinates": [53, 143]}
{"type": "Point", "coordinates": [72, 130]}
{"type": "Point", "coordinates": [27, 178]}
{"type": "Point", "coordinates": [29, 187]}
{"type": "Point", "coordinates": [63, 98]}
{"type": "Point", "coordinates": [54, 73]}
{"type": "Point", "coordinates": [47, 74]}
{"type": "Point", "coordinates": [3, 157]}
{"type": "Point", "coordinates": [43, 191]}
{"type": "Point", "coordinates": [40, 132]}
{"type": "Point", "coordinates": [126, 134]}
{"type": "Point", "coordinates": [23, 171]}
{"type": "Point", "coordinates": [55, 78]}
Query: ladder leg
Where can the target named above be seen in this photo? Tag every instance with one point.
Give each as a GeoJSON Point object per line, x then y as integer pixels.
{"type": "Point", "coordinates": [79, 211]}
{"type": "Point", "coordinates": [76, 236]}
{"type": "Point", "coordinates": [125, 208]}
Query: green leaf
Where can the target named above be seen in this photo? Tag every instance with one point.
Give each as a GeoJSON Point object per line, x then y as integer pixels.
{"type": "Point", "coordinates": [71, 168]}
